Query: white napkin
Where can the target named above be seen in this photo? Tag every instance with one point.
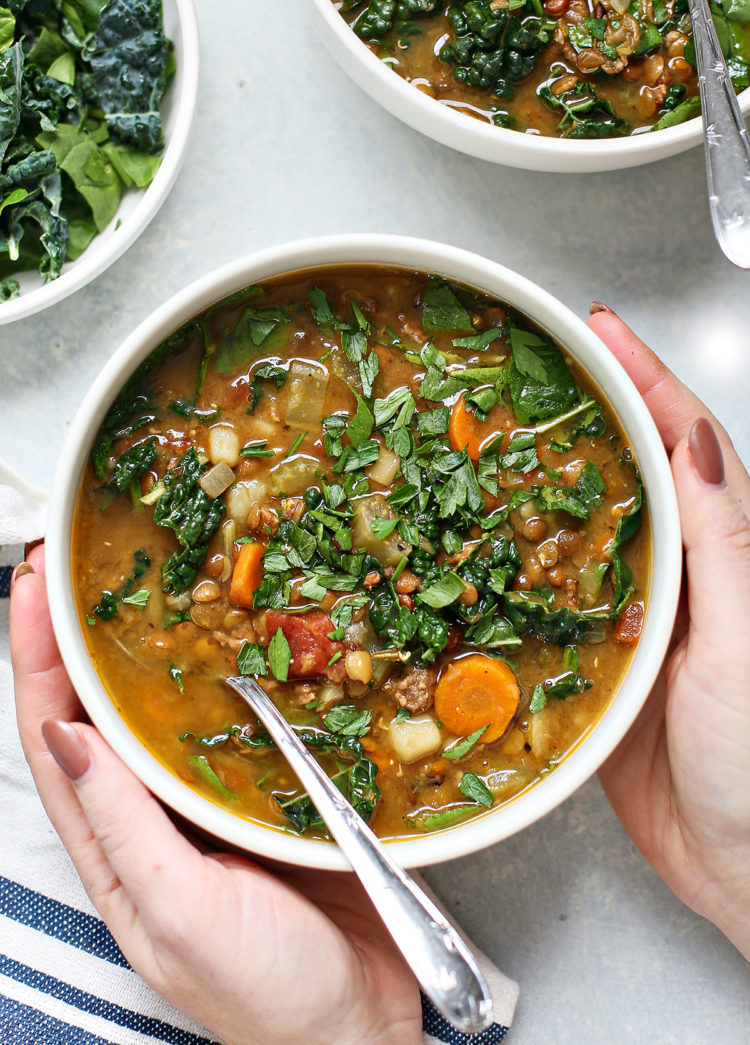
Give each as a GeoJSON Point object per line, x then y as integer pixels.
{"type": "Point", "coordinates": [63, 979]}
{"type": "Point", "coordinates": [23, 508]}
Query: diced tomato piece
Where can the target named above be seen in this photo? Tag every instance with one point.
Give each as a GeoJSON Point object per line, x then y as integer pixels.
{"type": "Point", "coordinates": [312, 650]}
{"type": "Point", "coordinates": [630, 624]}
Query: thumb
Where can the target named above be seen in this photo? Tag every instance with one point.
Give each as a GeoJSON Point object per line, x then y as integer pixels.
{"type": "Point", "coordinates": [716, 535]}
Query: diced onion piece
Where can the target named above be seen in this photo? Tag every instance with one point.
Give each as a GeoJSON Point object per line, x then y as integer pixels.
{"type": "Point", "coordinates": [415, 737]}
{"type": "Point", "coordinates": [154, 493]}
{"type": "Point", "coordinates": [223, 445]}
{"type": "Point", "coordinates": [178, 603]}
{"type": "Point", "coordinates": [306, 391]}
{"type": "Point", "coordinates": [328, 695]}
{"type": "Point", "coordinates": [242, 496]}
{"type": "Point", "coordinates": [389, 550]}
{"type": "Point", "coordinates": [226, 570]}
{"type": "Point", "coordinates": [383, 471]}
{"type": "Point", "coordinates": [590, 578]}
{"type": "Point", "coordinates": [228, 537]}
{"type": "Point", "coordinates": [294, 475]}
{"type": "Point", "coordinates": [216, 480]}
{"type": "Point", "coordinates": [527, 509]}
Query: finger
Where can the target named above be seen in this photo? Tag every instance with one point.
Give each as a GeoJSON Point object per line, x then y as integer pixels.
{"type": "Point", "coordinates": [672, 405]}
{"type": "Point", "coordinates": [149, 864]}
{"type": "Point", "coordinates": [716, 534]}
{"type": "Point", "coordinates": [43, 689]}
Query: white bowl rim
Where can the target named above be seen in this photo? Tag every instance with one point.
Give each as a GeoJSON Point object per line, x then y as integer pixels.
{"type": "Point", "coordinates": [98, 257]}
{"type": "Point", "coordinates": [496, 144]}
{"type": "Point", "coordinates": [580, 341]}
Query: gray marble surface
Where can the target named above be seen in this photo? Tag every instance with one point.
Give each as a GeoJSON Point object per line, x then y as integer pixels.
{"type": "Point", "coordinates": [286, 146]}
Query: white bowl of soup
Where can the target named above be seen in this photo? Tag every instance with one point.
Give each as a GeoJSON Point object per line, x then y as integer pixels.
{"type": "Point", "coordinates": [568, 85]}
{"type": "Point", "coordinates": [409, 491]}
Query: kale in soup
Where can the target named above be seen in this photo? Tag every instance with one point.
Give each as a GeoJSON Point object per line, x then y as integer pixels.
{"type": "Point", "coordinates": [395, 501]}
{"type": "Point", "coordinates": [562, 68]}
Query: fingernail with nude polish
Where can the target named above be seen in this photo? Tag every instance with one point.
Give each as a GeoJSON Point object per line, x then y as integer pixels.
{"type": "Point", "coordinates": [599, 306]}
{"type": "Point", "coordinates": [20, 571]}
{"type": "Point", "coordinates": [705, 452]}
{"type": "Point", "coordinates": [66, 747]}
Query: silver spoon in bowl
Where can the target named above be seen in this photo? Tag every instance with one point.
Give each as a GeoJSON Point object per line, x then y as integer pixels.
{"type": "Point", "coordinates": [438, 955]}
{"type": "Point", "coordinates": [726, 141]}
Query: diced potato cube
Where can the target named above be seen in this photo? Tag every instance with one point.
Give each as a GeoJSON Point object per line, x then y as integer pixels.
{"type": "Point", "coordinates": [261, 428]}
{"type": "Point", "coordinates": [383, 471]}
{"type": "Point", "coordinates": [514, 743]}
{"type": "Point", "coordinates": [415, 737]}
{"type": "Point", "coordinates": [223, 445]}
{"type": "Point", "coordinates": [242, 496]}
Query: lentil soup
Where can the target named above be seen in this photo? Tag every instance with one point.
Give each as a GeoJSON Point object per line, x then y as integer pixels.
{"type": "Point", "coordinates": [402, 507]}
{"type": "Point", "coordinates": [562, 68]}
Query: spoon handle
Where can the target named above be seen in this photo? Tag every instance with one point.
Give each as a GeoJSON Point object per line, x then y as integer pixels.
{"type": "Point", "coordinates": [727, 145]}
{"type": "Point", "coordinates": [437, 954]}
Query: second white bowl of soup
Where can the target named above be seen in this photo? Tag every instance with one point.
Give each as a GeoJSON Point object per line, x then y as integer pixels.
{"type": "Point", "coordinates": [382, 475]}
{"type": "Point", "coordinates": [568, 85]}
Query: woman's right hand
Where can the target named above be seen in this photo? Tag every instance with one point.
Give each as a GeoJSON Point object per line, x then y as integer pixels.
{"type": "Point", "coordinates": [259, 958]}
{"type": "Point", "coordinates": [680, 781]}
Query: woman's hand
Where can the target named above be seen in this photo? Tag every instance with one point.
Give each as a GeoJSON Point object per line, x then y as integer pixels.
{"type": "Point", "coordinates": [259, 959]}
{"type": "Point", "coordinates": [680, 781]}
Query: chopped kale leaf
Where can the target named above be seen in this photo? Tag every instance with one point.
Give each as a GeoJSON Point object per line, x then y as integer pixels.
{"type": "Point", "coordinates": [185, 508]}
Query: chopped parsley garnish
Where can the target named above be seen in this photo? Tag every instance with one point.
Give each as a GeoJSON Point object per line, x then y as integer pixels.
{"type": "Point", "coordinates": [463, 747]}
{"type": "Point", "coordinates": [279, 656]}
{"type": "Point", "coordinates": [474, 788]}
{"type": "Point", "coordinates": [257, 450]}
{"type": "Point", "coordinates": [251, 660]}
{"type": "Point", "coordinates": [348, 720]}
{"type": "Point", "coordinates": [138, 598]}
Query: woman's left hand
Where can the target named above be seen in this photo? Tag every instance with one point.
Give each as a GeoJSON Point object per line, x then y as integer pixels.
{"type": "Point", "coordinates": [259, 958]}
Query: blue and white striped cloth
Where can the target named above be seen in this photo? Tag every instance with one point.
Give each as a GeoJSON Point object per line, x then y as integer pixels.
{"type": "Point", "coordinates": [63, 979]}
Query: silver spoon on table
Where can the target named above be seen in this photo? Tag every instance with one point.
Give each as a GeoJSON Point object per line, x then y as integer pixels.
{"type": "Point", "coordinates": [440, 958]}
{"type": "Point", "coordinates": [726, 141]}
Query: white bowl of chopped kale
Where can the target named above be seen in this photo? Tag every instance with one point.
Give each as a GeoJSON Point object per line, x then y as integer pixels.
{"type": "Point", "coordinates": [96, 107]}
{"type": "Point", "coordinates": [549, 85]}
{"type": "Point", "coordinates": [430, 601]}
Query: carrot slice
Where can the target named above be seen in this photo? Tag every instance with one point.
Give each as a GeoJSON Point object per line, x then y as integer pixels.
{"type": "Point", "coordinates": [477, 691]}
{"type": "Point", "coordinates": [247, 574]}
{"type": "Point", "coordinates": [467, 432]}
{"type": "Point", "coordinates": [464, 430]}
